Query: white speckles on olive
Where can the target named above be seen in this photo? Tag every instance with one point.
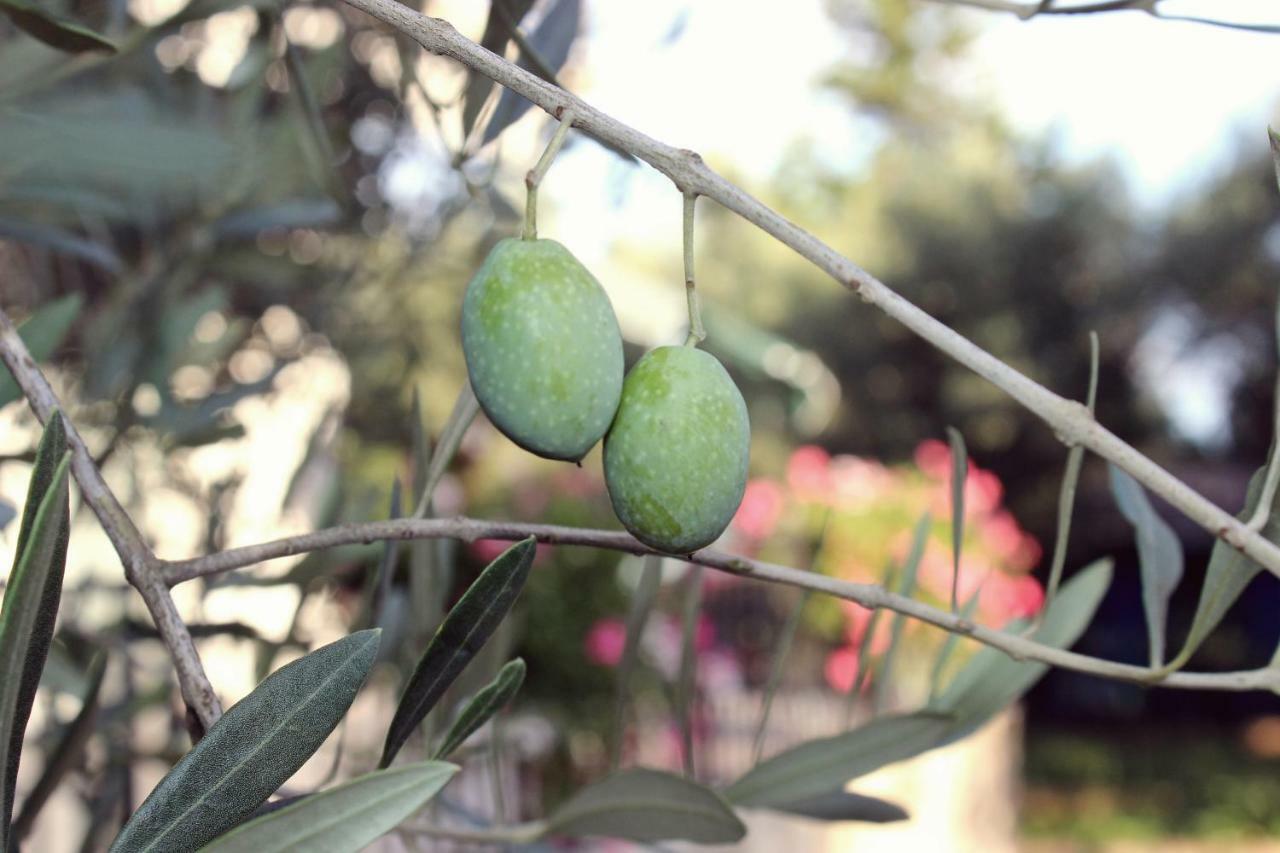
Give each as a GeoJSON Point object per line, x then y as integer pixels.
{"type": "Point", "coordinates": [543, 348]}
{"type": "Point", "coordinates": [675, 459]}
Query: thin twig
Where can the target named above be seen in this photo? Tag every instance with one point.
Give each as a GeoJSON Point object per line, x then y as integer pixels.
{"type": "Point", "coordinates": [868, 595]}
{"type": "Point", "coordinates": [1070, 420]}
{"type": "Point", "coordinates": [538, 172]}
{"type": "Point", "coordinates": [697, 334]}
{"type": "Point", "coordinates": [140, 565]}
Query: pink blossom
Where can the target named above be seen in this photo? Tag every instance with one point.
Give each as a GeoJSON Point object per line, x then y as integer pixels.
{"type": "Point", "coordinates": [982, 491]}
{"type": "Point", "coordinates": [859, 481]}
{"type": "Point", "coordinates": [760, 509]}
{"type": "Point", "coordinates": [807, 471]}
{"type": "Point", "coordinates": [841, 668]}
{"type": "Point", "coordinates": [1006, 598]}
{"type": "Point", "coordinates": [933, 458]}
{"type": "Point", "coordinates": [605, 642]}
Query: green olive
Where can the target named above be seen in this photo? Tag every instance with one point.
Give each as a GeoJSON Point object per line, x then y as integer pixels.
{"type": "Point", "coordinates": [675, 459]}
{"type": "Point", "coordinates": [543, 348]}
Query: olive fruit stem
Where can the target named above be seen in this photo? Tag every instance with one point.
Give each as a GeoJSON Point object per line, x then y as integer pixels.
{"type": "Point", "coordinates": [538, 172]}
{"type": "Point", "coordinates": [697, 333]}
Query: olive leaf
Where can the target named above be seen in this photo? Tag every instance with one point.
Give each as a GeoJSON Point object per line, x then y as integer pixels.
{"type": "Point", "coordinates": [818, 766]}
{"type": "Point", "coordinates": [1227, 575]}
{"type": "Point", "coordinates": [253, 750]}
{"type": "Point", "coordinates": [647, 805]}
{"type": "Point", "coordinates": [53, 30]}
{"type": "Point", "coordinates": [959, 476]}
{"type": "Point", "coordinates": [463, 632]}
{"type": "Point", "coordinates": [503, 15]}
{"type": "Point", "coordinates": [66, 752]}
{"type": "Point", "coordinates": [1159, 556]}
{"type": "Point", "coordinates": [42, 332]}
{"type": "Point", "coordinates": [906, 585]}
{"type": "Point", "coordinates": [343, 819]}
{"type": "Point", "coordinates": [30, 606]}
{"type": "Point", "coordinates": [845, 805]}
{"type": "Point", "coordinates": [489, 701]}
{"type": "Point", "coordinates": [551, 40]}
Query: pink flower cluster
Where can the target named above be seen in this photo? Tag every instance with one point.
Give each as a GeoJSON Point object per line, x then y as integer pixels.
{"type": "Point", "coordinates": [870, 511]}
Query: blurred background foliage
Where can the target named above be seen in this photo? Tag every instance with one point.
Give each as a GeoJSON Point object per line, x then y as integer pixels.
{"type": "Point", "coordinates": [240, 187]}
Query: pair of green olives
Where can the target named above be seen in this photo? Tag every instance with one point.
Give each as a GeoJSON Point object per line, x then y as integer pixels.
{"type": "Point", "coordinates": [544, 354]}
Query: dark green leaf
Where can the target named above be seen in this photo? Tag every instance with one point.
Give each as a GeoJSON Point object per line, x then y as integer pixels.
{"type": "Point", "coordinates": [53, 30]}
{"type": "Point", "coordinates": [1227, 575]}
{"type": "Point", "coordinates": [31, 605]}
{"type": "Point", "coordinates": [844, 805]}
{"type": "Point", "coordinates": [42, 333]}
{"type": "Point", "coordinates": [1159, 557]}
{"type": "Point", "coordinates": [67, 751]}
{"type": "Point", "coordinates": [503, 16]}
{"type": "Point", "coordinates": [993, 680]}
{"type": "Point", "coordinates": [647, 805]}
{"type": "Point", "coordinates": [344, 819]}
{"type": "Point", "coordinates": [489, 701]}
{"type": "Point", "coordinates": [252, 750]}
{"type": "Point", "coordinates": [685, 692]}
{"type": "Point", "coordinates": [463, 633]}
{"type": "Point", "coordinates": [551, 40]}
{"type": "Point", "coordinates": [818, 766]}
{"type": "Point", "coordinates": [959, 475]}
{"type": "Point", "coordinates": [949, 646]}
{"type": "Point", "coordinates": [296, 213]}
{"type": "Point", "coordinates": [63, 242]}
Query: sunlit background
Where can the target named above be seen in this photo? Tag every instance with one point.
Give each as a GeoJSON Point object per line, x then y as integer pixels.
{"type": "Point", "coordinates": [247, 235]}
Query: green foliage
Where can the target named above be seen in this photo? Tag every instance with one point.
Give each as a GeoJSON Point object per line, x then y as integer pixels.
{"type": "Point", "coordinates": [53, 30]}
{"type": "Point", "coordinates": [249, 753]}
{"type": "Point", "coordinates": [465, 630]}
{"type": "Point", "coordinates": [647, 805]}
{"type": "Point", "coordinates": [495, 696]}
{"type": "Point", "coordinates": [1228, 574]}
{"type": "Point", "coordinates": [343, 819]}
{"type": "Point", "coordinates": [675, 459]}
{"type": "Point", "coordinates": [30, 605]}
{"type": "Point", "coordinates": [845, 805]}
{"type": "Point", "coordinates": [1159, 556]}
{"type": "Point", "coordinates": [42, 333]}
{"type": "Point", "coordinates": [543, 348]}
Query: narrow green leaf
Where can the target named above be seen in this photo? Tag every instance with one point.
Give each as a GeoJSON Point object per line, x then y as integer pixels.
{"type": "Point", "coordinates": [551, 40]}
{"type": "Point", "coordinates": [53, 30]}
{"type": "Point", "coordinates": [378, 585]}
{"type": "Point", "coordinates": [988, 684]}
{"type": "Point", "coordinates": [31, 605]}
{"type": "Point", "coordinates": [819, 766]}
{"type": "Point", "coordinates": [863, 672]}
{"type": "Point", "coordinates": [647, 805]}
{"type": "Point", "coordinates": [959, 476]}
{"type": "Point", "coordinates": [465, 409]}
{"type": "Point", "coordinates": [637, 618]}
{"type": "Point", "coordinates": [462, 634]}
{"type": "Point", "coordinates": [1159, 556]}
{"type": "Point", "coordinates": [63, 241]}
{"type": "Point", "coordinates": [685, 692]}
{"type": "Point", "coordinates": [949, 646]}
{"type": "Point", "coordinates": [1067, 489]}
{"type": "Point", "coordinates": [253, 750]}
{"type": "Point", "coordinates": [489, 701]}
{"type": "Point", "coordinates": [845, 806]}
{"type": "Point", "coordinates": [906, 586]}
{"type": "Point", "coordinates": [993, 680]}
{"type": "Point", "coordinates": [1226, 577]}
{"type": "Point", "coordinates": [66, 752]}
{"type": "Point", "coordinates": [344, 819]}
{"type": "Point", "coordinates": [42, 333]}
{"type": "Point", "coordinates": [503, 15]}
{"type": "Point", "coordinates": [782, 651]}
{"type": "Point", "coordinates": [1274, 139]}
